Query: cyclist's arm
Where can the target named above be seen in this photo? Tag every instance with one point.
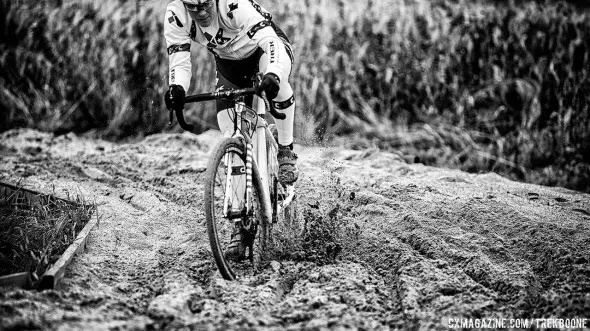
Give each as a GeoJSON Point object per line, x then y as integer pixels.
{"type": "Point", "coordinates": [258, 29]}
{"type": "Point", "coordinates": [176, 24]}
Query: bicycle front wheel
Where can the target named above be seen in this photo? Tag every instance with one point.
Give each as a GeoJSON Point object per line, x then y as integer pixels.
{"type": "Point", "coordinates": [226, 209]}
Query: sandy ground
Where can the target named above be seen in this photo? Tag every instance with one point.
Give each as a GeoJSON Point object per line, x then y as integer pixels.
{"type": "Point", "coordinates": [418, 245]}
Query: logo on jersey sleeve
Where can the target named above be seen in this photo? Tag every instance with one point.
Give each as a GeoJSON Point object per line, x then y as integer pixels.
{"type": "Point", "coordinates": [179, 48]}
{"type": "Point", "coordinates": [174, 18]}
{"type": "Point", "coordinates": [232, 7]}
{"type": "Point", "coordinates": [258, 26]}
{"type": "Point", "coordinates": [273, 53]}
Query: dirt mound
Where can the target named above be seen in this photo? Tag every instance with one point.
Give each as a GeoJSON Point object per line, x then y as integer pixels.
{"type": "Point", "coordinates": [384, 244]}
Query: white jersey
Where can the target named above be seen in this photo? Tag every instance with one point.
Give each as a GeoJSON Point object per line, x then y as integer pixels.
{"type": "Point", "coordinates": [241, 27]}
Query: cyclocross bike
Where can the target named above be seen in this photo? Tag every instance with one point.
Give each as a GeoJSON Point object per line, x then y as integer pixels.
{"type": "Point", "coordinates": [242, 187]}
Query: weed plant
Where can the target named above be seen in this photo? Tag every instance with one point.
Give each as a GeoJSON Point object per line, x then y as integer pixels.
{"type": "Point", "coordinates": [319, 238]}
{"type": "Point", "coordinates": [318, 231]}
{"type": "Point", "coordinates": [33, 236]}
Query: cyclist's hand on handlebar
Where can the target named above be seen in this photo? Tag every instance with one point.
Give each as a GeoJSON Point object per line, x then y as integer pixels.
{"type": "Point", "coordinates": [174, 97]}
{"type": "Point", "coordinates": [270, 85]}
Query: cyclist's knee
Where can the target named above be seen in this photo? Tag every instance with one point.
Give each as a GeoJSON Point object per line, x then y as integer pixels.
{"type": "Point", "coordinates": [285, 91]}
{"type": "Point", "coordinates": [282, 104]}
{"type": "Point", "coordinates": [225, 122]}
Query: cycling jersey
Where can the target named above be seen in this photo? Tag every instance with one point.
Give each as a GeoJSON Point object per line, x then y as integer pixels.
{"type": "Point", "coordinates": [240, 28]}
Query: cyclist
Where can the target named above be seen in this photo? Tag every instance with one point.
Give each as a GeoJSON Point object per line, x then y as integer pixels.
{"type": "Point", "coordinates": [244, 41]}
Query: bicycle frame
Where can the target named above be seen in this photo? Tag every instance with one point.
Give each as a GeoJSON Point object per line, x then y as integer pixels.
{"type": "Point", "coordinates": [256, 147]}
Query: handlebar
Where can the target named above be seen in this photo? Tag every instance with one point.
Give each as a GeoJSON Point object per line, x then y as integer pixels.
{"type": "Point", "coordinates": [227, 94]}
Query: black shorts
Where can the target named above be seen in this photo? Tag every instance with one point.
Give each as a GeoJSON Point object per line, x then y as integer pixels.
{"type": "Point", "coordinates": [240, 73]}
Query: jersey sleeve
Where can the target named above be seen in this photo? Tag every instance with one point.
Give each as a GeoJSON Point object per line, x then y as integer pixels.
{"type": "Point", "coordinates": [178, 42]}
{"type": "Point", "coordinates": [248, 16]}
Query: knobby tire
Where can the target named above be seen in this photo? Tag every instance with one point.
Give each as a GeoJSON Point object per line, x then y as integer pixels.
{"type": "Point", "coordinates": [236, 146]}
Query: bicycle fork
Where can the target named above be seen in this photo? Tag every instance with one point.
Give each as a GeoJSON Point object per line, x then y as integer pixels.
{"type": "Point", "coordinates": [248, 178]}
{"type": "Point", "coordinates": [237, 200]}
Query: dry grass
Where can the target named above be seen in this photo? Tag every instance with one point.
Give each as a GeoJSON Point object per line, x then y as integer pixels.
{"type": "Point", "coordinates": [33, 236]}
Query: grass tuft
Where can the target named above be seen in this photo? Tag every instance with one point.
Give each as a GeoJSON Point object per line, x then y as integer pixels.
{"type": "Point", "coordinates": [34, 235]}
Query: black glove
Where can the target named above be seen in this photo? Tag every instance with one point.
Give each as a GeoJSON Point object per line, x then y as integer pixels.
{"type": "Point", "coordinates": [270, 85]}
{"type": "Point", "coordinates": [174, 97]}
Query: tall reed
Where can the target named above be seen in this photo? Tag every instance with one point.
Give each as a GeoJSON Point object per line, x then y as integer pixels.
{"type": "Point", "coordinates": [374, 67]}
